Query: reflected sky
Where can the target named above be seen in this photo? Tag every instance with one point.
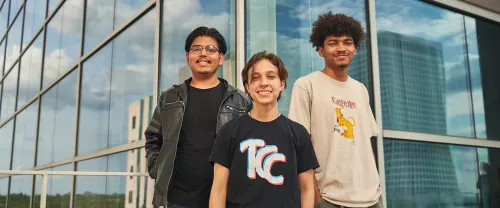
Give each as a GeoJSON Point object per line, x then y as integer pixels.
{"type": "Point", "coordinates": [9, 94]}
{"type": "Point", "coordinates": [13, 42]}
{"type": "Point", "coordinates": [30, 74]}
{"type": "Point", "coordinates": [449, 31]}
{"type": "Point", "coordinates": [33, 20]}
{"type": "Point", "coordinates": [6, 147]}
{"type": "Point", "coordinates": [118, 75]}
{"type": "Point", "coordinates": [24, 138]}
{"type": "Point", "coordinates": [57, 121]}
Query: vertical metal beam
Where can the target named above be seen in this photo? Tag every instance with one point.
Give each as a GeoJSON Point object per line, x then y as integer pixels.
{"type": "Point", "coordinates": [372, 20]}
{"type": "Point", "coordinates": [157, 52]}
{"type": "Point", "coordinates": [43, 194]}
{"type": "Point", "coordinates": [77, 106]}
{"type": "Point", "coordinates": [240, 42]}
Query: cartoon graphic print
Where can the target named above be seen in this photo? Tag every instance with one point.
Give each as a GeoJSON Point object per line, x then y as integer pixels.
{"type": "Point", "coordinates": [348, 125]}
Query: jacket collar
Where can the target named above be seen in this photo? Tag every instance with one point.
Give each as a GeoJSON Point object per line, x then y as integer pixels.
{"type": "Point", "coordinates": [183, 87]}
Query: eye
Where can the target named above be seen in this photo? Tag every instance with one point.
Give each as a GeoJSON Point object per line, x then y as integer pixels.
{"type": "Point", "coordinates": [271, 76]}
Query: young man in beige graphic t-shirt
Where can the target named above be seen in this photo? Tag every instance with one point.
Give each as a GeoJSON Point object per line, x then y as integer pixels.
{"type": "Point", "coordinates": [335, 110]}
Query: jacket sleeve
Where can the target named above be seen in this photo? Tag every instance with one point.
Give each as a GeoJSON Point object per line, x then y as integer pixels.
{"type": "Point", "coordinates": [154, 141]}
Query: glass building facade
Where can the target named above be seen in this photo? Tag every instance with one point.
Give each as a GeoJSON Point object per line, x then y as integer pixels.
{"type": "Point", "coordinates": [79, 80]}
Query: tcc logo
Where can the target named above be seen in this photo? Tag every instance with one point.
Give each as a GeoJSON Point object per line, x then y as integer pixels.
{"type": "Point", "coordinates": [262, 160]}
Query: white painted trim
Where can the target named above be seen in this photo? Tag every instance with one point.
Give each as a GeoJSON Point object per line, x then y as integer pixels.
{"type": "Point", "coordinates": [453, 140]}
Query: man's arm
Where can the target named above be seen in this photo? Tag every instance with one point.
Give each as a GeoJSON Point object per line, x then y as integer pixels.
{"type": "Point", "coordinates": [219, 187]}
{"type": "Point", "coordinates": [154, 141]}
{"type": "Point", "coordinates": [317, 194]}
{"type": "Point", "coordinates": [307, 188]}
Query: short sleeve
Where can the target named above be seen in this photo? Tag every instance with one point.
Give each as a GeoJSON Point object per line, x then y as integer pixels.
{"type": "Point", "coordinates": [222, 147]}
{"type": "Point", "coordinates": [306, 157]}
{"type": "Point", "coordinates": [300, 104]}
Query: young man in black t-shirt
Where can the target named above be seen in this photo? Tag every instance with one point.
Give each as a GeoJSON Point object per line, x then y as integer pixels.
{"type": "Point", "coordinates": [263, 159]}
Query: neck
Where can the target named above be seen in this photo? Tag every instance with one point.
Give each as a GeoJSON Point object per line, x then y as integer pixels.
{"type": "Point", "coordinates": [339, 74]}
{"type": "Point", "coordinates": [202, 82]}
{"type": "Point", "coordinates": [264, 113]}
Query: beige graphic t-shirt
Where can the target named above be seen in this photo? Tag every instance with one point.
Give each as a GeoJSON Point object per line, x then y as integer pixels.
{"type": "Point", "coordinates": [339, 118]}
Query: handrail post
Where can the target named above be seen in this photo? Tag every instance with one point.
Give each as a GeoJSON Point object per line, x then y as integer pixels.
{"type": "Point", "coordinates": [43, 195]}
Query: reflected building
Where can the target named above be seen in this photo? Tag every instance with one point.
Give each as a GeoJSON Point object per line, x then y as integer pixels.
{"type": "Point", "coordinates": [417, 174]}
{"type": "Point", "coordinates": [139, 190]}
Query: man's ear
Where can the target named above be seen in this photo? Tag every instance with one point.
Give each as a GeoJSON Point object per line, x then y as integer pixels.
{"type": "Point", "coordinates": [221, 59]}
{"type": "Point", "coordinates": [187, 58]}
{"type": "Point", "coordinates": [320, 51]}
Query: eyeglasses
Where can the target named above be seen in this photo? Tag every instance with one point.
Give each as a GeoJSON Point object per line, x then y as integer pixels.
{"type": "Point", "coordinates": [209, 49]}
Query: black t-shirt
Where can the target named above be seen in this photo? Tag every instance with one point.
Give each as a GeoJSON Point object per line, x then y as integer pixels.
{"type": "Point", "coordinates": [193, 174]}
{"type": "Point", "coordinates": [264, 160]}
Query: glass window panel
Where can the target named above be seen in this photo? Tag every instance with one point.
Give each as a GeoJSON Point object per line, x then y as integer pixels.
{"type": "Point", "coordinates": [20, 191]}
{"type": "Point", "coordinates": [58, 188]}
{"type": "Point", "coordinates": [24, 138]}
{"type": "Point", "coordinates": [196, 13]}
{"type": "Point", "coordinates": [33, 20]}
{"type": "Point", "coordinates": [57, 121]}
{"type": "Point", "coordinates": [14, 43]}
{"type": "Point", "coordinates": [4, 185]}
{"type": "Point", "coordinates": [52, 5]}
{"type": "Point", "coordinates": [30, 74]}
{"type": "Point", "coordinates": [105, 191]}
{"type": "Point", "coordinates": [420, 174]}
{"type": "Point", "coordinates": [424, 70]}
{"type": "Point", "coordinates": [4, 14]}
{"type": "Point", "coordinates": [6, 147]}
{"type": "Point", "coordinates": [63, 40]}
{"type": "Point", "coordinates": [106, 15]}
{"type": "Point", "coordinates": [488, 181]}
{"type": "Point", "coordinates": [9, 94]}
{"type": "Point", "coordinates": [14, 6]}
{"type": "Point", "coordinates": [284, 28]}
{"type": "Point", "coordinates": [2, 56]}
{"type": "Point", "coordinates": [113, 80]}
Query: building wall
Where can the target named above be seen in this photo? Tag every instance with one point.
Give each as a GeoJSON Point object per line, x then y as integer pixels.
{"type": "Point", "coordinates": [74, 74]}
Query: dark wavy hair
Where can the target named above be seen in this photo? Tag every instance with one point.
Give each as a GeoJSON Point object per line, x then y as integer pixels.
{"type": "Point", "coordinates": [209, 32]}
{"type": "Point", "coordinates": [335, 25]}
{"type": "Point", "coordinates": [274, 59]}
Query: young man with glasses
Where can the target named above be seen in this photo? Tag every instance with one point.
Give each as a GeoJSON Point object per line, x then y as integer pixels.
{"type": "Point", "coordinates": [335, 109]}
{"type": "Point", "coordinates": [188, 116]}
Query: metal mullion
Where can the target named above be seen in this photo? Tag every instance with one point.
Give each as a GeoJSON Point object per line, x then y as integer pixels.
{"type": "Point", "coordinates": [78, 101]}
{"type": "Point", "coordinates": [441, 139]}
{"type": "Point", "coordinates": [466, 8]}
{"type": "Point", "coordinates": [240, 41]}
{"type": "Point", "coordinates": [372, 28]}
{"type": "Point", "coordinates": [157, 58]}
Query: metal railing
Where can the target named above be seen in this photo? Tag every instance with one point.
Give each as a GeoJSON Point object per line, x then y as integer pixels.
{"type": "Point", "coordinates": [45, 174]}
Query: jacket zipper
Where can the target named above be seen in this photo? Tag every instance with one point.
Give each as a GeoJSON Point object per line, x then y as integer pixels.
{"type": "Point", "coordinates": [179, 132]}
{"type": "Point", "coordinates": [234, 109]}
{"type": "Point", "coordinates": [218, 112]}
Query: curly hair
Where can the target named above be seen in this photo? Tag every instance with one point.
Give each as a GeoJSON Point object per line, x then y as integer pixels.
{"type": "Point", "coordinates": [274, 59]}
{"type": "Point", "coordinates": [335, 25]}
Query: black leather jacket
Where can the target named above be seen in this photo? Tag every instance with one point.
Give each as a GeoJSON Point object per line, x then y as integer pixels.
{"type": "Point", "coordinates": [162, 134]}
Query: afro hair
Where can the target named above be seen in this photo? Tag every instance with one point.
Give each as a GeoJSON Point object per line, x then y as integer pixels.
{"type": "Point", "coordinates": [335, 25]}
